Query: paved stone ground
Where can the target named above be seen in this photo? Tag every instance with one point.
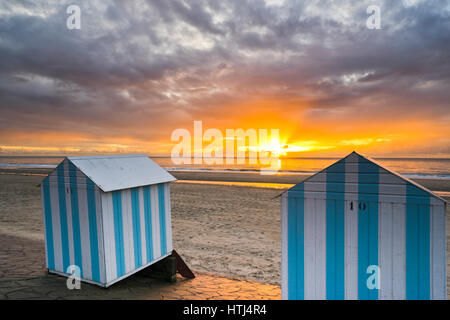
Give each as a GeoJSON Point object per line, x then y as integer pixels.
{"type": "Point", "coordinates": [23, 276]}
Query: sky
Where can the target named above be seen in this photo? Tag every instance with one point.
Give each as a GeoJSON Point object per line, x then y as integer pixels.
{"type": "Point", "coordinates": [138, 70]}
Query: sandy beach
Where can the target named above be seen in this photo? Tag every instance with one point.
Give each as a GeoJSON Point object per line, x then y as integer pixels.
{"type": "Point", "coordinates": [225, 230]}
{"type": "Point", "coordinates": [221, 229]}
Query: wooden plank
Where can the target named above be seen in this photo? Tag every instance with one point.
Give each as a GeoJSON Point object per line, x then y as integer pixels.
{"type": "Point", "coordinates": [321, 286]}
{"type": "Point", "coordinates": [438, 253]}
{"type": "Point", "coordinates": [399, 250]}
{"type": "Point", "coordinates": [182, 267]}
{"type": "Point", "coordinates": [386, 251]}
{"type": "Point", "coordinates": [310, 249]}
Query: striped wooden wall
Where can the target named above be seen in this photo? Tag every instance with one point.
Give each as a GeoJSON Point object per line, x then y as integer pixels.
{"type": "Point", "coordinates": [137, 228]}
{"type": "Point", "coordinates": [108, 235]}
{"type": "Point", "coordinates": [356, 214]}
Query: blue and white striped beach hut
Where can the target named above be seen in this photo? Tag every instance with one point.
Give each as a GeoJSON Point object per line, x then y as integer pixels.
{"type": "Point", "coordinates": [357, 230]}
{"type": "Point", "coordinates": [108, 215]}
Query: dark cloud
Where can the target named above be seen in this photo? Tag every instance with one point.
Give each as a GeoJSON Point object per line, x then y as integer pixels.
{"type": "Point", "coordinates": [134, 62]}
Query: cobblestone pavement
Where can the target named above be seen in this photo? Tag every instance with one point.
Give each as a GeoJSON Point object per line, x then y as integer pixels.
{"type": "Point", "coordinates": [23, 276]}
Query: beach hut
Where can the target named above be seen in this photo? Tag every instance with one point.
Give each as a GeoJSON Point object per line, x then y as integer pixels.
{"type": "Point", "coordinates": [108, 215]}
{"type": "Point", "coordinates": [357, 230]}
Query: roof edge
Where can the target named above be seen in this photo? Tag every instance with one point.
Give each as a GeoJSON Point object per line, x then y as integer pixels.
{"type": "Point", "coordinates": [380, 165]}
{"type": "Point", "coordinates": [318, 172]}
{"type": "Point", "coordinates": [137, 155]}
{"type": "Point", "coordinates": [418, 185]}
{"type": "Point", "coordinates": [170, 179]}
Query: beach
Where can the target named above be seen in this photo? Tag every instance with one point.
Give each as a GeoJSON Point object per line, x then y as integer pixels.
{"type": "Point", "coordinates": [221, 228]}
{"type": "Point", "coordinates": [233, 231]}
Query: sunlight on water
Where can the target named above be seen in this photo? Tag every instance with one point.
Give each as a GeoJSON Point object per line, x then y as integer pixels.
{"type": "Point", "coordinates": [241, 184]}
{"type": "Point", "coordinates": [413, 168]}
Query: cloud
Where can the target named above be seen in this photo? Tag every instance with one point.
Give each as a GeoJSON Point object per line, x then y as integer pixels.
{"type": "Point", "coordinates": [141, 69]}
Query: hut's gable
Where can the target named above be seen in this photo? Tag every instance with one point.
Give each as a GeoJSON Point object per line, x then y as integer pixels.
{"type": "Point", "coordinates": [356, 174]}
{"type": "Point", "coordinates": [67, 173]}
{"type": "Point", "coordinates": [112, 173]}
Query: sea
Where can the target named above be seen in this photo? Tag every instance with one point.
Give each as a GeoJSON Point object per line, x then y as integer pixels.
{"type": "Point", "coordinates": [432, 168]}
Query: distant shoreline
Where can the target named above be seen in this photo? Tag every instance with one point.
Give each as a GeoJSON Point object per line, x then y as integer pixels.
{"type": "Point", "coordinates": [243, 178]}
{"type": "Point", "coordinates": [43, 169]}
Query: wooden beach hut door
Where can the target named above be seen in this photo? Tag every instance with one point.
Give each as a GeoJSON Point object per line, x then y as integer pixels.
{"type": "Point", "coordinates": [331, 243]}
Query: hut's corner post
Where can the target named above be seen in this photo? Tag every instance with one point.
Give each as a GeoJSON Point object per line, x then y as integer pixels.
{"type": "Point", "coordinates": [101, 228]}
{"type": "Point", "coordinates": [445, 248]}
{"type": "Point", "coordinates": [41, 186]}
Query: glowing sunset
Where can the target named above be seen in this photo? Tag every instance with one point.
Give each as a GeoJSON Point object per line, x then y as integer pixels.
{"type": "Point", "coordinates": [224, 150]}
{"type": "Point", "coordinates": [124, 82]}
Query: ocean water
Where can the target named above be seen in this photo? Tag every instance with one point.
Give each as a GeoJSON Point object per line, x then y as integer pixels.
{"type": "Point", "coordinates": [436, 168]}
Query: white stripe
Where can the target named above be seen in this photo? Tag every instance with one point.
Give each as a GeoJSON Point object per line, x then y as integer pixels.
{"type": "Point", "coordinates": [438, 279]}
{"type": "Point", "coordinates": [100, 243]}
{"type": "Point", "coordinates": [45, 225]}
{"type": "Point", "coordinates": [351, 229]}
{"type": "Point", "coordinates": [56, 227]}
{"type": "Point", "coordinates": [155, 222]}
{"type": "Point", "coordinates": [399, 251]}
{"type": "Point", "coordinates": [385, 250]}
{"type": "Point", "coordinates": [142, 218]}
{"type": "Point", "coordinates": [168, 217]}
{"type": "Point", "coordinates": [315, 251]}
{"type": "Point", "coordinates": [84, 228]}
{"type": "Point", "coordinates": [310, 249]}
{"type": "Point", "coordinates": [391, 225]}
{"type": "Point", "coordinates": [128, 244]}
{"type": "Point", "coordinates": [321, 253]}
{"type": "Point", "coordinates": [108, 234]}
{"type": "Point", "coordinates": [69, 213]}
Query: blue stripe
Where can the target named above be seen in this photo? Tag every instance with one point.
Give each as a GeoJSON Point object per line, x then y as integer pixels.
{"type": "Point", "coordinates": [335, 234]}
{"type": "Point", "coordinates": [296, 271]}
{"type": "Point", "coordinates": [367, 226]}
{"type": "Point", "coordinates": [300, 248]}
{"type": "Point", "coordinates": [148, 223]}
{"type": "Point", "coordinates": [417, 245]}
{"type": "Point", "coordinates": [93, 236]}
{"type": "Point", "coordinates": [162, 218]}
{"type": "Point", "coordinates": [48, 225]}
{"type": "Point", "coordinates": [118, 233]}
{"type": "Point", "coordinates": [75, 217]}
{"type": "Point", "coordinates": [424, 251]}
{"type": "Point", "coordinates": [136, 227]}
{"type": "Point", "coordinates": [63, 217]}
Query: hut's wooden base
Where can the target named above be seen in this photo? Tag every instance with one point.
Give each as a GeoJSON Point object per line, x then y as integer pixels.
{"type": "Point", "coordinates": [167, 269]}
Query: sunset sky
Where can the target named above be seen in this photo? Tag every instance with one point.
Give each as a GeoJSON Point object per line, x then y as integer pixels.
{"type": "Point", "coordinates": [138, 70]}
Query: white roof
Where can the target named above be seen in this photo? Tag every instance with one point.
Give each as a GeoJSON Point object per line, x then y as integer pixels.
{"type": "Point", "coordinates": [112, 173]}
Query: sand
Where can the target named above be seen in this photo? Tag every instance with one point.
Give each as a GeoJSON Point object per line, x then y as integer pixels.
{"type": "Point", "coordinates": [232, 231]}
{"type": "Point", "coordinates": [432, 184]}
{"type": "Point", "coordinates": [226, 230]}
